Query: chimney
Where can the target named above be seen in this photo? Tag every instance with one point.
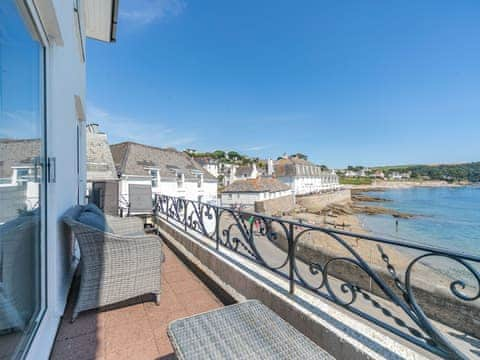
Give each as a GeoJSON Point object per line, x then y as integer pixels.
{"type": "Point", "coordinates": [92, 128]}
{"type": "Point", "coordinates": [270, 169]}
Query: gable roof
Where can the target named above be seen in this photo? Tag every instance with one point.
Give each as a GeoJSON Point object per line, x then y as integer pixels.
{"type": "Point", "coordinates": [295, 166]}
{"type": "Point", "coordinates": [100, 164]}
{"type": "Point", "coordinates": [131, 158]}
{"type": "Point", "coordinates": [17, 153]}
{"type": "Point", "coordinates": [244, 171]}
{"type": "Point", "coordinates": [260, 184]}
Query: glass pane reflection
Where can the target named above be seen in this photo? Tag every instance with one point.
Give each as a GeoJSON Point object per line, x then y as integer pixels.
{"type": "Point", "coordinates": [21, 179]}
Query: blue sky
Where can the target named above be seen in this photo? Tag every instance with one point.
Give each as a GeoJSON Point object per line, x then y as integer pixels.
{"type": "Point", "coordinates": [346, 82]}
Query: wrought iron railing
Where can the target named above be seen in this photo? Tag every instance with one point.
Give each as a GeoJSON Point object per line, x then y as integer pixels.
{"type": "Point", "coordinates": [345, 274]}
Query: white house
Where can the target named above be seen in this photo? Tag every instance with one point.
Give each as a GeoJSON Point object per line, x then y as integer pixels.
{"type": "Point", "coordinates": [243, 172]}
{"type": "Point", "coordinates": [235, 172]}
{"type": "Point", "coordinates": [249, 191]}
{"type": "Point", "coordinates": [304, 177]}
{"type": "Point", "coordinates": [378, 174]}
{"type": "Point", "coordinates": [395, 175]}
{"type": "Point", "coordinates": [144, 169]}
{"type": "Point", "coordinates": [353, 173]}
{"type": "Point", "coordinates": [228, 172]}
{"type": "Point", "coordinates": [209, 164]}
{"type": "Point", "coordinates": [42, 127]}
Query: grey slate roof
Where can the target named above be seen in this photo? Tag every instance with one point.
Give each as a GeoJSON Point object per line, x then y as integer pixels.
{"type": "Point", "coordinates": [206, 161]}
{"type": "Point", "coordinates": [294, 166]}
{"type": "Point", "coordinates": [244, 171]}
{"type": "Point", "coordinates": [256, 185]}
{"type": "Point", "coordinates": [100, 164]}
{"type": "Point", "coordinates": [136, 159]}
{"type": "Point", "coordinates": [17, 153]}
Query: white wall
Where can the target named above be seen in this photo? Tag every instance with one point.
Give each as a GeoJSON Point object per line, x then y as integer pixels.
{"type": "Point", "coordinates": [244, 198]}
{"type": "Point", "coordinates": [212, 169]}
{"type": "Point", "coordinates": [210, 192]}
{"type": "Point", "coordinates": [249, 198]}
{"type": "Point", "coordinates": [65, 78]}
{"type": "Point", "coordinates": [302, 185]}
{"type": "Point", "coordinates": [189, 190]}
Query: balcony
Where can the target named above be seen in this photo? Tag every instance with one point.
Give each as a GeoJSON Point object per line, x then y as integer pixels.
{"type": "Point", "coordinates": [364, 308]}
{"type": "Point", "coordinates": [136, 329]}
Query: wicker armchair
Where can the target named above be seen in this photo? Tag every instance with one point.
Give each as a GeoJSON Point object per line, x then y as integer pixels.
{"type": "Point", "coordinates": [115, 266]}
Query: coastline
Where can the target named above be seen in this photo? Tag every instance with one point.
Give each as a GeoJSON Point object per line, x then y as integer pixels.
{"type": "Point", "coordinates": [431, 279]}
{"type": "Point", "coordinates": [381, 185]}
{"type": "Point", "coordinates": [349, 215]}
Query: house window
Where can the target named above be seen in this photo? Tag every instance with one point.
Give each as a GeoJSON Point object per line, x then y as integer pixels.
{"type": "Point", "coordinates": [199, 180]}
{"type": "Point", "coordinates": [22, 174]}
{"type": "Point", "coordinates": [180, 179]}
{"type": "Point", "coordinates": [154, 175]}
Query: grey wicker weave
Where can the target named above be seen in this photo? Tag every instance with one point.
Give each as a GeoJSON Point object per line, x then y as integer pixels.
{"type": "Point", "coordinates": [115, 266]}
{"type": "Point", "coordinates": [248, 330]}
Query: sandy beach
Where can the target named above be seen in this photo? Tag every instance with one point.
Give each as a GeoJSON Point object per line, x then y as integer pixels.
{"type": "Point", "coordinates": [431, 287]}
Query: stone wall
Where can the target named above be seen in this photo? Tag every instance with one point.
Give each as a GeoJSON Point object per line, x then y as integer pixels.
{"type": "Point", "coordinates": [319, 201]}
{"type": "Point", "coordinates": [273, 206]}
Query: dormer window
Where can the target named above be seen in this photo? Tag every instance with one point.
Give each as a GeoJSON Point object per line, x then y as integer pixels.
{"type": "Point", "coordinates": [154, 175]}
{"type": "Point", "coordinates": [180, 179]}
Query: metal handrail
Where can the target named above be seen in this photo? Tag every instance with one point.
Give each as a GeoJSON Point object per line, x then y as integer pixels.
{"type": "Point", "coordinates": [238, 234]}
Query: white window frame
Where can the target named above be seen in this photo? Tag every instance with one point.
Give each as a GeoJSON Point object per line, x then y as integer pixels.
{"type": "Point", "coordinates": [154, 174]}
{"type": "Point", "coordinates": [48, 318]}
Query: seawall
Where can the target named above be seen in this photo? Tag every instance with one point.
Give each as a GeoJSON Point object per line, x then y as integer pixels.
{"type": "Point", "coordinates": [319, 201]}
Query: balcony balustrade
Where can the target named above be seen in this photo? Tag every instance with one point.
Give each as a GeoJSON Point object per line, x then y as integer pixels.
{"type": "Point", "coordinates": [426, 295]}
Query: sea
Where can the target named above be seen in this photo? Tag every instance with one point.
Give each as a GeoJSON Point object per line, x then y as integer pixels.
{"type": "Point", "coordinates": [447, 217]}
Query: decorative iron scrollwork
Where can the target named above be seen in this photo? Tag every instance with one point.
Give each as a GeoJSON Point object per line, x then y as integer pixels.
{"type": "Point", "coordinates": [254, 236]}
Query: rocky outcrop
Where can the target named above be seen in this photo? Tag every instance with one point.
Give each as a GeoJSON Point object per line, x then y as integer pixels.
{"type": "Point", "coordinates": [355, 208]}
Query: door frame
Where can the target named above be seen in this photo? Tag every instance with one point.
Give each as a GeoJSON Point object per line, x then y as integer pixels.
{"type": "Point", "coordinates": [37, 344]}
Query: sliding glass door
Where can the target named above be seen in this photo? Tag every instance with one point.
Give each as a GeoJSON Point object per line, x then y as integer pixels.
{"type": "Point", "coordinates": [22, 179]}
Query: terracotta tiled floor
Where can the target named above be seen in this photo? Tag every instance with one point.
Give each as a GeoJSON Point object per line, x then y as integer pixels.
{"type": "Point", "coordinates": [138, 329]}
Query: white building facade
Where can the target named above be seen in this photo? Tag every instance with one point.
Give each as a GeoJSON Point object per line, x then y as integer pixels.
{"type": "Point", "coordinates": [211, 165]}
{"type": "Point", "coordinates": [42, 92]}
{"type": "Point", "coordinates": [304, 177]}
{"type": "Point", "coordinates": [147, 169]}
{"type": "Point", "coordinates": [247, 192]}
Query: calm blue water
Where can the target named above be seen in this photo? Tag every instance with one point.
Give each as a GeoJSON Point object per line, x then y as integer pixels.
{"type": "Point", "coordinates": [449, 217]}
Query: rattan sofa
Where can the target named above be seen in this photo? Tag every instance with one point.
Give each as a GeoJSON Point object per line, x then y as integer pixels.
{"type": "Point", "coordinates": [117, 265]}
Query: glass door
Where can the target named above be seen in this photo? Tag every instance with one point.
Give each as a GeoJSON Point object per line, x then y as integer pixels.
{"type": "Point", "coordinates": [22, 179]}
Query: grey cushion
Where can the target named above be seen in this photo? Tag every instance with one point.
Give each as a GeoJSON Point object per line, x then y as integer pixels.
{"type": "Point", "coordinates": [94, 220]}
{"type": "Point", "coordinates": [94, 209]}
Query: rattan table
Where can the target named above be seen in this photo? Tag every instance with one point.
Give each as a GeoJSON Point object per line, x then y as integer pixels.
{"type": "Point", "coordinates": [248, 330]}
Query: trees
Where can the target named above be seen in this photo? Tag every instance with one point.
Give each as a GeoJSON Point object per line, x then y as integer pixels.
{"type": "Point", "coordinates": [300, 156]}
{"type": "Point", "coordinates": [219, 154]}
{"type": "Point", "coordinates": [453, 172]}
{"type": "Point", "coordinates": [233, 155]}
